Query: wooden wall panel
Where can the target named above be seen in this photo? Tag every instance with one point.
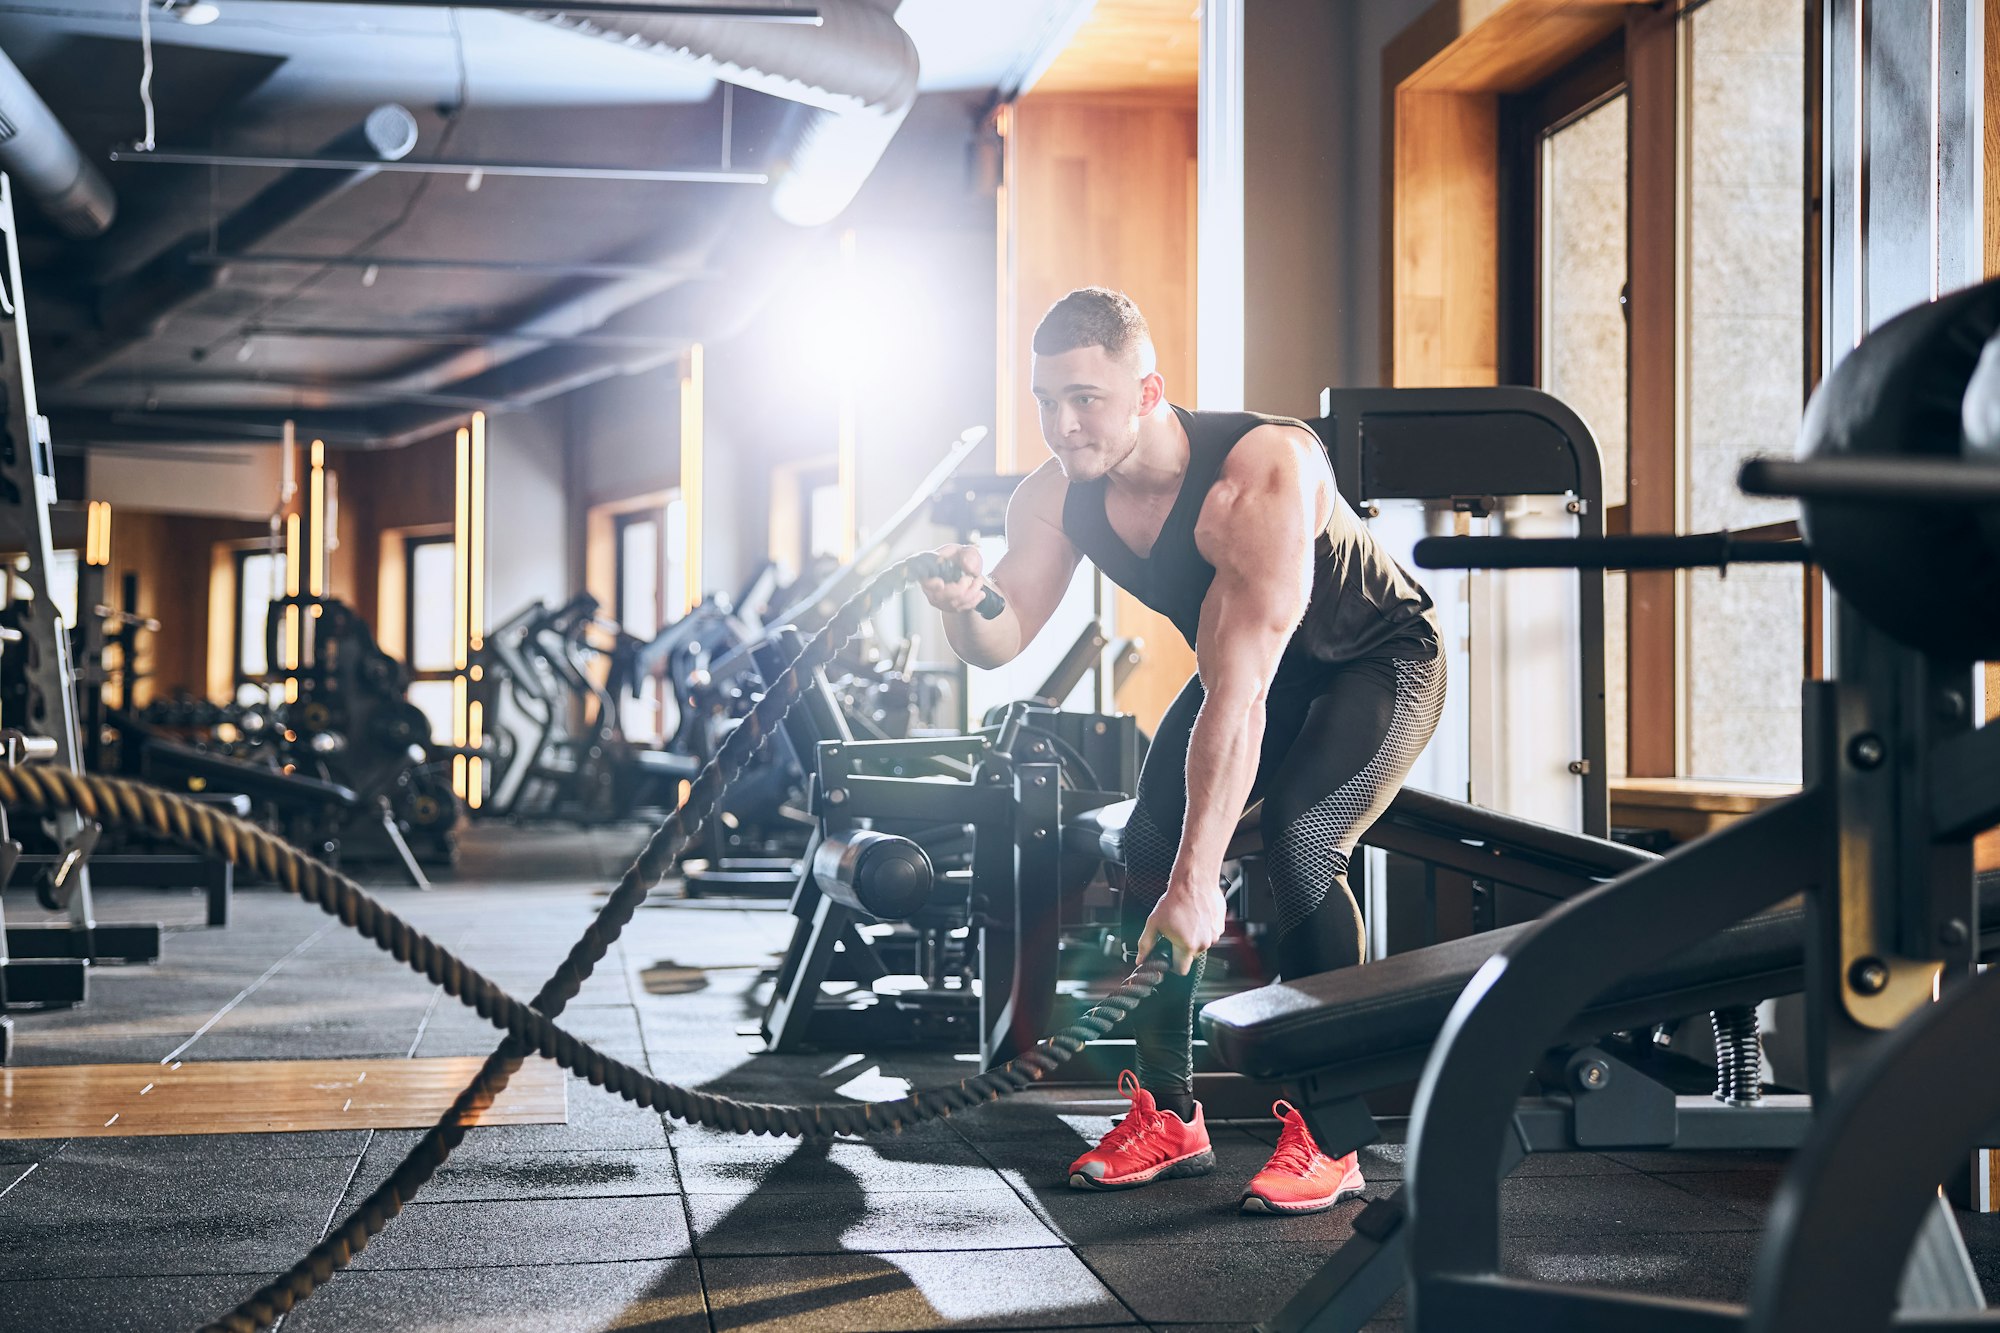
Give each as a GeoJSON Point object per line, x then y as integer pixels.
{"type": "Point", "coordinates": [170, 553]}
{"type": "Point", "coordinates": [1102, 195]}
{"type": "Point", "coordinates": [413, 487]}
{"type": "Point", "coordinates": [1445, 275]}
{"type": "Point", "coordinates": [1129, 46]}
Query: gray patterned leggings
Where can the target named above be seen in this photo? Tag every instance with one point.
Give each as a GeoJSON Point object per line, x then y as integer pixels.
{"type": "Point", "coordinates": [1337, 746]}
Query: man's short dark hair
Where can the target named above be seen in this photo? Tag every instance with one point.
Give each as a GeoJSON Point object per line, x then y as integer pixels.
{"type": "Point", "coordinates": [1094, 317]}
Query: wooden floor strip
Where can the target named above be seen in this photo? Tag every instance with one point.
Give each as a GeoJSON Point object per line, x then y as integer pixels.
{"type": "Point", "coordinates": [262, 1096]}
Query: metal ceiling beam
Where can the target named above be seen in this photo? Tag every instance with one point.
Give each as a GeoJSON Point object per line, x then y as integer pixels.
{"type": "Point", "coordinates": [458, 338]}
{"type": "Point", "coordinates": [184, 387]}
{"type": "Point", "coordinates": [807, 15]}
{"type": "Point", "coordinates": [550, 170]}
{"type": "Point", "coordinates": [582, 268]}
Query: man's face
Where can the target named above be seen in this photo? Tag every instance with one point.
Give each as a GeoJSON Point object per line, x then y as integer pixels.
{"type": "Point", "coordinates": [1090, 404]}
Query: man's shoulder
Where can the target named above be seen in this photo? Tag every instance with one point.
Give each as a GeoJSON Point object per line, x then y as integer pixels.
{"type": "Point", "coordinates": [1272, 452]}
{"type": "Point", "coordinates": [1041, 493]}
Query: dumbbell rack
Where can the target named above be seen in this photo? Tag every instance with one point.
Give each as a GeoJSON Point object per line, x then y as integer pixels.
{"type": "Point", "coordinates": [43, 965]}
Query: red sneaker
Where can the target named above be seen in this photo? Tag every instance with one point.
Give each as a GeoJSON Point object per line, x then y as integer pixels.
{"type": "Point", "coordinates": [1300, 1178]}
{"type": "Point", "coordinates": [1147, 1145]}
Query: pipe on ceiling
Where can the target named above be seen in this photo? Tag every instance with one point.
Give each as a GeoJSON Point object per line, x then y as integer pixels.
{"type": "Point", "coordinates": [132, 308]}
{"type": "Point", "coordinates": [858, 70]}
{"type": "Point", "coordinates": [45, 162]}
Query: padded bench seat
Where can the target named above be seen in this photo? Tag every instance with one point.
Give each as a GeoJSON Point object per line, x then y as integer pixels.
{"type": "Point", "coordinates": [1369, 1027]}
{"type": "Point", "coordinates": [1480, 842]}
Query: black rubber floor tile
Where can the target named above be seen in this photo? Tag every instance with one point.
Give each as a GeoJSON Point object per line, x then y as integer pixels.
{"type": "Point", "coordinates": [347, 1143]}
{"type": "Point", "coordinates": [1223, 1282]}
{"type": "Point", "coordinates": [1748, 1191]}
{"type": "Point", "coordinates": [597, 1119]}
{"type": "Point", "coordinates": [532, 1232]}
{"type": "Point", "coordinates": [1570, 1164]}
{"type": "Point", "coordinates": [120, 1305]}
{"type": "Point", "coordinates": [1982, 1242]}
{"type": "Point", "coordinates": [850, 1216]}
{"type": "Point", "coordinates": [1713, 1267]}
{"type": "Point", "coordinates": [1669, 1163]}
{"type": "Point", "coordinates": [658, 1296]}
{"type": "Point", "coordinates": [93, 1211]}
{"type": "Point", "coordinates": [867, 1292]}
{"type": "Point", "coordinates": [1609, 1206]}
{"type": "Point", "coordinates": [589, 1173]}
{"type": "Point", "coordinates": [31, 1150]}
{"type": "Point", "coordinates": [712, 1162]}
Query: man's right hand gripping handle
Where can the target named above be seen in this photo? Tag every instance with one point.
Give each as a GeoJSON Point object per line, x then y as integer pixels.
{"type": "Point", "coordinates": [953, 583]}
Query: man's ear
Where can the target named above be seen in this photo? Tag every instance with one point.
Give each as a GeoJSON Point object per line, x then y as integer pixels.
{"type": "Point", "coordinates": [1152, 393]}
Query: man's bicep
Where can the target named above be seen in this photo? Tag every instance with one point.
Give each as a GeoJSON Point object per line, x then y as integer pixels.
{"type": "Point", "coordinates": [1245, 624]}
{"type": "Point", "coordinates": [1039, 562]}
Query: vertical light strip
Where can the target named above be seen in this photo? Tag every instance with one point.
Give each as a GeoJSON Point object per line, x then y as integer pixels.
{"type": "Point", "coordinates": [1003, 306]}
{"type": "Point", "coordinates": [460, 552]}
{"type": "Point", "coordinates": [475, 736]}
{"type": "Point", "coordinates": [458, 734]}
{"type": "Point", "coordinates": [849, 409]}
{"type": "Point", "coordinates": [292, 557]}
{"type": "Point", "coordinates": [1860, 170]}
{"type": "Point", "coordinates": [97, 533]}
{"type": "Point", "coordinates": [461, 599]}
{"type": "Point", "coordinates": [316, 524]}
{"type": "Point", "coordinates": [1219, 240]}
{"type": "Point", "coordinates": [475, 602]}
{"type": "Point", "coordinates": [1937, 139]}
{"type": "Point", "coordinates": [691, 478]}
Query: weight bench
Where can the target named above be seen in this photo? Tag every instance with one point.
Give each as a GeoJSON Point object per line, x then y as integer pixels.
{"type": "Point", "coordinates": [323, 805]}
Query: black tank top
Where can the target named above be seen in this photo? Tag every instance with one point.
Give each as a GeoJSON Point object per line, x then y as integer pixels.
{"type": "Point", "coordinates": [1363, 603]}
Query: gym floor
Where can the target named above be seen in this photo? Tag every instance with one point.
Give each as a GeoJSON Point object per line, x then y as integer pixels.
{"type": "Point", "coordinates": [616, 1220]}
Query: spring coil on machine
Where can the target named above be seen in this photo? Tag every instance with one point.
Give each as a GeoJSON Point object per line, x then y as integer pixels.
{"type": "Point", "coordinates": [118, 803]}
{"type": "Point", "coordinates": [1739, 1056]}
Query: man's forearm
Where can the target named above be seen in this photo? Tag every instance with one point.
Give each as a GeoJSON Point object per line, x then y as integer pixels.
{"type": "Point", "coordinates": [983, 643]}
{"type": "Point", "coordinates": [1221, 768]}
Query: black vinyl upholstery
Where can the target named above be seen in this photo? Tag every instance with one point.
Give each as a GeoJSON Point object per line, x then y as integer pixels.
{"type": "Point", "coordinates": [1373, 1026]}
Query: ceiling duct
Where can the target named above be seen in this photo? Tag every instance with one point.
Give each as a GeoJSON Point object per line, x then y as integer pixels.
{"type": "Point", "coordinates": [857, 69]}
{"type": "Point", "coordinates": [45, 162]}
{"type": "Point", "coordinates": [130, 309]}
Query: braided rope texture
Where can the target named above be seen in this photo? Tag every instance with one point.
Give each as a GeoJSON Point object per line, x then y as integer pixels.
{"type": "Point", "coordinates": [530, 1026]}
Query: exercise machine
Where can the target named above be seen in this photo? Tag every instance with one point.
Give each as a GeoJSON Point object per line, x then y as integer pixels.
{"type": "Point", "coordinates": [1901, 488]}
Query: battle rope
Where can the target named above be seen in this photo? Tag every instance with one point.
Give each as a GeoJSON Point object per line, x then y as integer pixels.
{"type": "Point", "coordinates": [119, 803]}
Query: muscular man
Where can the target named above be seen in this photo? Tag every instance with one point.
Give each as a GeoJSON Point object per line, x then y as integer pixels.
{"type": "Point", "coordinates": [1318, 681]}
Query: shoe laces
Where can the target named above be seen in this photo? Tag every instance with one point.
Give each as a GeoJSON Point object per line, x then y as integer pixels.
{"type": "Point", "coordinates": [1296, 1151]}
{"type": "Point", "coordinates": [1141, 1120]}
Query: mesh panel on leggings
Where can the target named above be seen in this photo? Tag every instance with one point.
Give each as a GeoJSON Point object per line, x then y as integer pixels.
{"type": "Point", "coordinates": [1149, 854]}
{"type": "Point", "coordinates": [1311, 854]}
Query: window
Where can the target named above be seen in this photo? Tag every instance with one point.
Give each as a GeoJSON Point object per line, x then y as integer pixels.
{"type": "Point", "coordinates": [1584, 352]}
{"type": "Point", "coordinates": [259, 578]}
{"type": "Point", "coordinates": [824, 521]}
{"type": "Point", "coordinates": [430, 611]}
{"type": "Point", "coordinates": [638, 608]}
{"type": "Point", "coordinates": [1744, 326]}
{"type": "Point", "coordinates": [1660, 182]}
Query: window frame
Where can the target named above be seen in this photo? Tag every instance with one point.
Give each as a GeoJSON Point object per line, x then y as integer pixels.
{"type": "Point", "coordinates": [411, 541]}
{"type": "Point", "coordinates": [1648, 61]}
{"type": "Point", "coordinates": [239, 557]}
